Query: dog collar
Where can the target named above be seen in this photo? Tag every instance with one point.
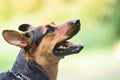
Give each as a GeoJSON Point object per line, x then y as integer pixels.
{"type": "Point", "coordinates": [20, 76]}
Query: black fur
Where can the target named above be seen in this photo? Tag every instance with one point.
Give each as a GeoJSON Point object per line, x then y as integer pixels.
{"type": "Point", "coordinates": [30, 69]}
{"type": "Point", "coordinates": [37, 35]}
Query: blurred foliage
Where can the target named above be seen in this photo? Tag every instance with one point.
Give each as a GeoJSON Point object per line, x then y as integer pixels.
{"type": "Point", "coordinates": [113, 17]}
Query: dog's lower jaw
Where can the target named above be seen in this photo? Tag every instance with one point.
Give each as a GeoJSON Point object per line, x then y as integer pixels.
{"type": "Point", "coordinates": [50, 66]}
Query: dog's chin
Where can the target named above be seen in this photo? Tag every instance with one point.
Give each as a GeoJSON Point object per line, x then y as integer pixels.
{"type": "Point", "coordinates": [67, 48]}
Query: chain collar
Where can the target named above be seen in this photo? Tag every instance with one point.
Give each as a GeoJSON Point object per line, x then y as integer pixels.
{"type": "Point", "coordinates": [20, 76]}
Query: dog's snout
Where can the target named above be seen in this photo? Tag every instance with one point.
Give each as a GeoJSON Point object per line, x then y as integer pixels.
{"type": "Point", "coordinates": [76, 22]}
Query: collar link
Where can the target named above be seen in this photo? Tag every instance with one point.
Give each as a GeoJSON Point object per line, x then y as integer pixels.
{"type": "Point", "coordinates": [20, 76]}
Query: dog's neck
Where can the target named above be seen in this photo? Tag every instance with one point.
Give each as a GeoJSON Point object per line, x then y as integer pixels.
{"type": "Point", "coordinates": [50, 67]}
{"type": "Point", "coordinates": [49, 63]}
{"type": "Point", "coordinates": [47, 60]}
{"type": "Point", "coordinates": [31, 68]}
{"type": "Point", "coordinates": [20, 65]}
{"type": "Point", "coordinates": [42, 66]}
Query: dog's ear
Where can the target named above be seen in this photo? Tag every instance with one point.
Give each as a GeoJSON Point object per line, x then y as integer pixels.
{"type": "Point", "coordinates": [24, 27]}
{"type": "Point", "coordinates": [15, 38]}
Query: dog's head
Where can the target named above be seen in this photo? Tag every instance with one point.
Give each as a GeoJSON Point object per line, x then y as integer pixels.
{"type": "Point", "coordinates": [48, 41]}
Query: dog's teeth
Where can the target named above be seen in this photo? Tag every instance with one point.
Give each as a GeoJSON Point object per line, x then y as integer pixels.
{"type": "Point", "coordinates": [64, 47]}
{"type": "Point", "coordinates": [61, 46]}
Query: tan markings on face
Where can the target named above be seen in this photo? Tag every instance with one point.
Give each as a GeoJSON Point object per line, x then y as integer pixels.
{"type": "Point", "coordinates": [44, 52]}
{"type": "Point", "coordinates": [49, 41]}
{"type": "Point", "coordinates": [46, 46]}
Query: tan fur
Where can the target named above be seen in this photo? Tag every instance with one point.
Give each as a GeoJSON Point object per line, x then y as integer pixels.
{"type": "Point", "coordinates": [43, 53]}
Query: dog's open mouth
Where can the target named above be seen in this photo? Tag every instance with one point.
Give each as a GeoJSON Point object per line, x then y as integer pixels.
{"type": "Point", "coordinates": [66, 48]}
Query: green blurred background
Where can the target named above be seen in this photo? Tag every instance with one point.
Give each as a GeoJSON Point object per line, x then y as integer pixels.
{"type": "Point", "coordinates": [100, 34]}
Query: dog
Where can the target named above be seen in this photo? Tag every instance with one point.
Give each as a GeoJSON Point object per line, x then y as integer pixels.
{"type": "Point", "coordinates": [42, 48]}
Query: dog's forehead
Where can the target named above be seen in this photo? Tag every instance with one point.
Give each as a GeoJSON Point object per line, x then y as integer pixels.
{"type": "Point", "coordinates": [39, 32]}
{"type": "Point", "coordinates": [37, 35]}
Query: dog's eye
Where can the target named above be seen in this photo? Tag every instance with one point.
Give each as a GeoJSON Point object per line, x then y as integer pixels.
{"type": "Point", "coordinates": [50, 29]}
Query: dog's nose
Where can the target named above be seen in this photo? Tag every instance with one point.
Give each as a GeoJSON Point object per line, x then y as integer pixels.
{"type": "Point", "coordinates": [76, 22]}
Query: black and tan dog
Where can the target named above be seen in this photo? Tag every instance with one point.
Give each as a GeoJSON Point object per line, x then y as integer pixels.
{"type": "Point", "coordinates": [41, 50]}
